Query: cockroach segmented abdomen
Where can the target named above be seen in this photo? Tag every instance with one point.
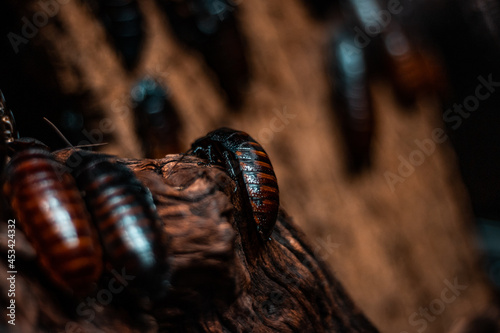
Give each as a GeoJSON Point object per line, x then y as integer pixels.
{"type": "Point", "coordinates": [53, 215]}
{"type": "Point", "coordinates": [352, 98]}
{"type": "Point", "coordinates": [249, 166]}
{"type": "Point", "coordinates": [261, 185]}
{"type": "Point", "coordinates": [125, 215]}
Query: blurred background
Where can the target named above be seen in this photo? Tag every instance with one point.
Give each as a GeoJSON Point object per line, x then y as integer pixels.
{"type": "Point", "coordinates": [381, 119]}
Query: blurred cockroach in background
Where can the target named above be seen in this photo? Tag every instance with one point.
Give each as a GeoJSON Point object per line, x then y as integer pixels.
{"type": "Point", "coordinates": [48, 204]}
{"type": "Point", "coordinates": [412, 69]}
{"type": "Point", "coordinates": [157, 122]}
{"type": "Point", "coordinates": [249, 166]}
{"type": "Point", "coordinates": [125, 215]}
{"type": "Point", "coordinates": [123, 21]}
{"type": "Point", "coordinates": [212, 28]}
{"type": "Point", "coordinates": [369, 43]}
{"type": "Point", "coordinates": [351, 97]}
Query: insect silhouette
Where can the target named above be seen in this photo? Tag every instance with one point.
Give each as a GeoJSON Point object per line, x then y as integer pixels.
{"type": "Point", "coordinates": [50, 210]}
{"type": "Point", "coordinates": [125, 215]}
{"type": "Point", "coordinates": [211, 27]}
{"type": "Point", "coordinates": [352, 98]}
{"type": "Point", "coordinates": [249, 166]}
{"type": "Point", "coordinates": [123, 20]}
{"type": "Point", "coordinates": [157, 120]}
{"type": "Point", "coordinates": [412, 69]}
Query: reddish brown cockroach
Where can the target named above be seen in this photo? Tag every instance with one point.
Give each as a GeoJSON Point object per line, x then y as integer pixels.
{"type": "Point", "coordinates": [50, 210]}
{"type": "Point", "coordinates": [125, 215]}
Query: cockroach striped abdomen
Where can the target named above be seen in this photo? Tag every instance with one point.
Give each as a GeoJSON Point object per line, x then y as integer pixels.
{"type": "Point", "coordinates": [53, 215]}
{"type": "Point", "coordinates": [249, 166]}
{"type": "Point", "coordinates": [352, 98]}
{"type": "Point", "coordinates": [125, 215]}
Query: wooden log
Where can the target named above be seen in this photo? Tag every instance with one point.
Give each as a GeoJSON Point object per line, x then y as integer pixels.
{"type": "Point", "coordinates": [223, 278]}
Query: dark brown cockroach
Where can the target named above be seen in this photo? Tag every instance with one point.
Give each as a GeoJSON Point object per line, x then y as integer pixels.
{"type": "Point", "coordinates": [249, 166]}
{"type": "Point", "coordinates": [124, 212]}
{"type": "Point", "coordinates": [50, 210]}
{"type": "Point", "coordinates": [211, 27]}
{"type": "Point", "coordinates": [124, 23]}
{"type": "Point", "coordinates": [156, 119]}
{"type": "Point", "coordinates": [352, 98]}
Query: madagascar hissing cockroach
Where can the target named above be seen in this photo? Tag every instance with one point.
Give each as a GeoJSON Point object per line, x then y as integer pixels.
{"type": "Point", "coordinates": [249, 166]}
{"type": "Point", "coordinates": [211, 27]}
{"type": "Point", "coordinates": [413, 70]}
{"type": "Point", "coordinates": [157, 122]}
{"type": "Point", "coordinates": [352, 98]}
{"type": "Point", "coordinates": [124, 212]}
{"type": "Point", "coordinates": [50, 210]}
{"type": "Point", "coordinates": [124, 22]}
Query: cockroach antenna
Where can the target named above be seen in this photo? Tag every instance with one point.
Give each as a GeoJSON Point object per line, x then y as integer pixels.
{"type": "Point", "coordinates": [67, 141]}
{"type": "Point", "coordinates": [178, 161]}
{"type": "Point", "coordinates": [59, 132]}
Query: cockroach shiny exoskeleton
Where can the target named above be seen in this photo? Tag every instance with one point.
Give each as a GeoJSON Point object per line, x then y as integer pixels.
{"type": "Point", "coordinates": [352, 98]}
{"type": "Point", "coordinates": [50, 210]}
{"type": "Point", "coordinates": [249, 166]}
{"type": "Point", "coordinates": [156, 119]}
{"type": "Point", "coordinates": [125, 215]}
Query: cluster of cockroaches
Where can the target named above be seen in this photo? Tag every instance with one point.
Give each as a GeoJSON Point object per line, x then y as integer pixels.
{"type": "Point", "coordinates": [93, 210]}
{"type": "Point", "coordinates": [207, 26]}
{"type": "Point", "coordinates": [384, 49]}
{"type": "Point", "coordinates": [55, 205]}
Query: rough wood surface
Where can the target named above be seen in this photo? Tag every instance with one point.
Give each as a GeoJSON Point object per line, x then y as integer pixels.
{"type": "Point", "coordinates": [223, 277]}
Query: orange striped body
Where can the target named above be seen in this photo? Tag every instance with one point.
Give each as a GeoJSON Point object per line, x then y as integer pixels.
{"type": "Point", "coordinates": [125, 215]}
{"type": "Point", "coordinates": [413, 70]}
{"type": "Point", "coordinates": [249, 166]}
{"type": "Point", "coordinates": [52, 213]}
